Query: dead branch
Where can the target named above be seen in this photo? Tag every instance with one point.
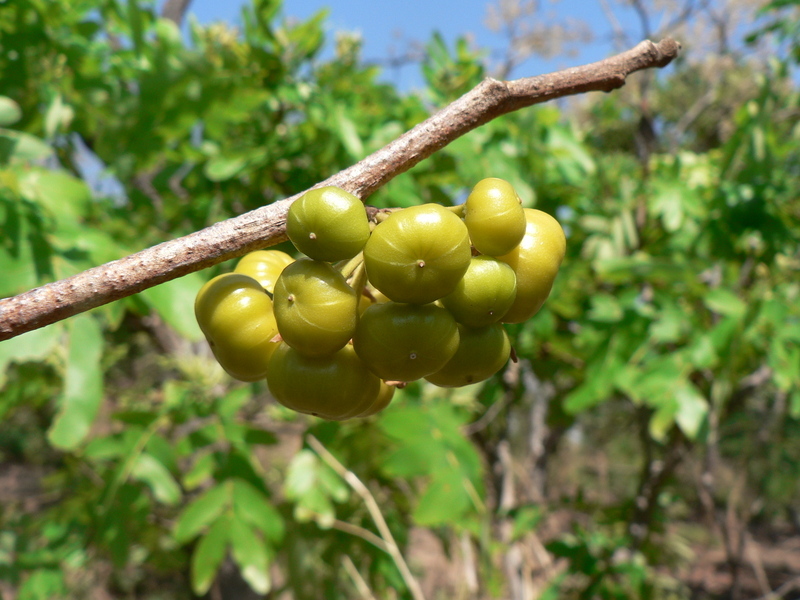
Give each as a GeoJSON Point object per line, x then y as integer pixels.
{"type": "Point", "coordinates": [265, 226]}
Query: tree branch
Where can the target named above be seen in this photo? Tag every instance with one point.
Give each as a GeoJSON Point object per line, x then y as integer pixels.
{"type": "Point", "coordinates": [265, 226]}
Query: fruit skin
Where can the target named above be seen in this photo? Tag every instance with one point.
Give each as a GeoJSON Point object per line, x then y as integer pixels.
{"type": "Point", "coordinates": [383, 400]}
{"type": "Point", "coordinates": [418, 254]}
{"type": "Point", "coordinates": [316, 311]}
{"type": "Point", "coordinates": [536, 261]}
{"type": "Point", "coordinates": [328, 224]}
{"type": "Point", "coordinates": [264, 266]}
{"type": "Point", "coordinates": [484, 294]}
{"type": "Point", "coordinates": [494, 216]}
{"type": "Point", "coordinates": [481, 353]}
{"type": "Point", "coordinates": [334, 387]}
{"type": "Point", "coordinates": [235, 314]}
{"type": "Point", "coordinates": [405, 342]}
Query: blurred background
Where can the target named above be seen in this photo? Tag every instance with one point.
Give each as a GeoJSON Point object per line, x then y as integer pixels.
{"type": "Point", "coordinates": [646, 444]}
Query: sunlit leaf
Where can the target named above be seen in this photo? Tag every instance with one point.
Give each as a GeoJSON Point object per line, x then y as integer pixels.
{"type": "Point", "coordinates": [83, 384]}
{"type": "Point", "coordinates": [250, 554]}
{"type": "Point", "coordinates": [209, 554]}
{"type": "Point", "coordinates": [10, 112]}
{"type": "Point", "coordinates": [201, 512]}
{"type": "Point", "coordinates": [157, 477]}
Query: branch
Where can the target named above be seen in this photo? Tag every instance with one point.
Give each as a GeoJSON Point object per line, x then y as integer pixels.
{"type": "Point", "coordinates": [265, 226]}
{"type": "Point", "coordinates": [175, 10]}
{"type": "Point", "coordinates": [374, 511]}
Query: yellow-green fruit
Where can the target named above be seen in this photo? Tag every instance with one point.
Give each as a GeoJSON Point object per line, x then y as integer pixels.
{"type": "Point", "coordinates": [316, 311]}
{"type": "Point", "coordinates": [536, 261]}
{"type": "Point", "coordinates": [334, 387]}
{"type": "Point", "coordinates": [235, 314]}
{"type": "Point", "coordinates": [418, 254]}
{"type": "Point", "coordinates": [404, 342]}
{"type": "Point", "coordinates": [264, 266]}
{"type": "Point", "coordinates": [328, 224]}
{"type": "Point", "coordinates": [383, 400]}
{"type": "Point", "coordinates": [481, 353]}
{"type": "Point", "coordinates": [494, 217]}
{"type": "Point", "coordinates": [484, 294]}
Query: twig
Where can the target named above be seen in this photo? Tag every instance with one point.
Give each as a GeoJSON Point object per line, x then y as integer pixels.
{"type": "Point", "coordinates": [363, 589]}
{"type": "Point", "coordinates": [266, 226]}
{"type": "Point", "coordinates": [779, 593]}
{"type": "Point", "coordinates": [374, 511]}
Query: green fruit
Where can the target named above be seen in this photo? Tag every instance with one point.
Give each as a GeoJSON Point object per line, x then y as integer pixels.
{"type": "Point", "coordinates": [383, 400]}
{"type": "Point", "coordinates": [264, 266]}
{"type": "Point", "coordinates": [404, 342]}
{"type": "Point", "coordinates": [334, 387]}
{"type": "Point", "coordinates": [235, 314]}
{"type": "Point", "coordinates": [536, 262]}
{"type": "Point", "coordinates": [494, 217]}
{"type": "Point", "coordinates": [484, 294]}
{"type": "Point", "coordinates": [328, 224]}
{"type": "Point", "coordinates": [418, 254]}
{"type": "Point", "coordinates": [316, 311]}
{"type": "Point", "coordinates": [481, 353]}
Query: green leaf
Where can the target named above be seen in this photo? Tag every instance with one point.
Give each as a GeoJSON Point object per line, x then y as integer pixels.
{"type": "Point", "coordinates": [348, 133]}
{"type": "Point", "coordinates": [83, 384]}
{"type": "Point", "coordinates": [312, 485]}
{"type": "Point", "coordinates": [692, 409]}
{"type": "Point", "coordinates": [30, 346]}
{"type": "Point", "coordinates": [444, 501]}
{"type": "Point", "coordinates": [43, 584]}
{"type": "Point", "coordinates": [250, 554]}
{"type": "Point", "coordinates": [58, 117]}
{"type": "Point", "coordinates": [174, 302]}
{"type": "Point", "coordinates": [222, 168]}
{"type": "Point", "coordinates": [202, 511]}
{"type": "Point", "coordinates": [201, 470]}
{"type": "Point", "coordinates": [605, 309]}
{"type": "Point", "coordinates": [157, 477]}
{"type": "Point", "coordinates": [254, 507]}
{"type": "Point", "coordinates": [10, 111]}
{"type": "Point", "coordinates": [17, 146]}
{"type": "Point", "coordinates": [209, 554]}
{"type": "Point", "coordinates": [725, 302]}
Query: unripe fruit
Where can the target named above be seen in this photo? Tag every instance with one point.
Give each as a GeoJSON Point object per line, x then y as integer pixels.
{"type": "Point", "coordinates": [328, 224]}
{"type": "Point", "coordinates": [481, 353]}
{"type": "Point", "coordinates": [484, 294]}
{"type": "Point", "coordinates": [404, 342]}
{"type": "Point", "coordinates": [335, 387]}
{"type": "Point", "coordinates": [235, 314]}
{"type": "Point", "coordinates": [264, 266]}
{"type": "Point", "coordinates": [383, 400]}
{"type": "Point", "coordinates": [536, 262]}
{"type": "Point", "coordinates": [494, 217]}
{"type": "Point", "coordinates": [315, 309]}
{"type": "Point", "coordinates": [418, 254]}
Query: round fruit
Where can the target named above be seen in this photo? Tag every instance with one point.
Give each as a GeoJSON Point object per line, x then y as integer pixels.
{"type": "Point", "coordinates": [315, 309]}
{"type": "Point", "coordinates": [418, 254]}
{"type": "Point", "coordinates": [404, 342]}
{"type": "Point", "coordinates": [335, 387]}
{"type": "Point", "coordinates": [535, 261]}
{"type": "Point", "coordinates": [235, 314]}
{"type": "Point", "coordinates": [481, 353]}
{"type": "Point", "coordinates": [484, 294]}
{"type": "Point", "coordinates": [383, 400]}
{"type": "Point", "coordinates": [264, 266]}
{"type": "Point", "coordinates": [328, 223]}
{"type": "Point", "coordinates": [494, 217]}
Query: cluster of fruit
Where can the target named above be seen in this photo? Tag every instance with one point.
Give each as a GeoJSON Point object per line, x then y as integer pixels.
{"type": "Point", "coordinates": [422, 294]}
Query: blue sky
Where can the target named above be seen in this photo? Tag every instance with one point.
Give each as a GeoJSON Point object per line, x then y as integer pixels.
{"type": "Point", "coordinates": [387, 27]}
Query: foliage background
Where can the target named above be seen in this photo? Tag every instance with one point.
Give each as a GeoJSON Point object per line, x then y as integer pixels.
{"type": "Point", "coordinates": [646, 444]}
